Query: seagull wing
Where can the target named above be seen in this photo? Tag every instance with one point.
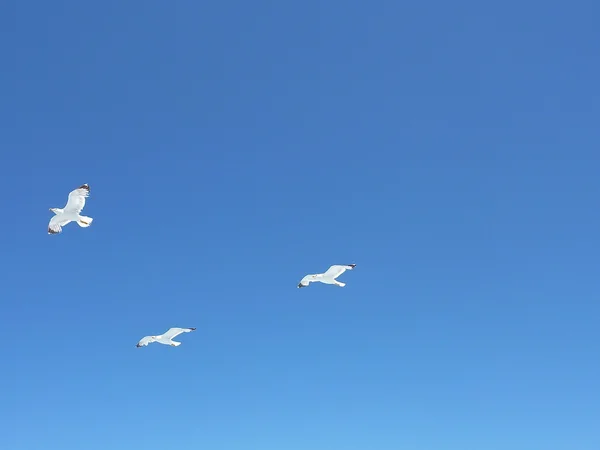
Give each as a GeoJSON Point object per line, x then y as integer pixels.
{"type": "Point", "coordinates": [144, 341]}
{"type": "Point", "coordinates": [174, 332]}
{"type": "Point", "coordinates": [56, 224]}
{"type": "Point", "coordinates": [77, 198]}
{"type": "Point", "coordinates": [335, 271]}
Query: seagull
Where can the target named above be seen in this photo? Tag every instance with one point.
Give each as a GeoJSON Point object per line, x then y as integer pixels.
{"type": "Point", "coordinates": [328, 277]}
{"type": "Point", "coordinates": [70, 213]}
{"type": "Point", "coordinates": [166, 338]}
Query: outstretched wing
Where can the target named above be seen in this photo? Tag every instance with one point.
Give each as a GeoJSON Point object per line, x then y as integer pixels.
{"type": "Point", "coordinates": [77, 198]}
{"type": "Point", "coordinates": [56, 224]}
{"type": "Point", "coordinates": [144, 341]}
{"type": "Point", "coordinates": [335, 271]}
{"type": "Point", "coordinates": [173, 332]}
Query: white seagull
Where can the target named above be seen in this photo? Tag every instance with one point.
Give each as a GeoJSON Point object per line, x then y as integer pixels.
{"type": "Point", "coordinates": [70, 213]}
{"type": "Point", "coordinates": [166, 338]}
{"type": "Point", "coordinates": [328, 277]}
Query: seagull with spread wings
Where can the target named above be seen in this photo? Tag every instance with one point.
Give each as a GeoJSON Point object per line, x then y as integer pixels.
{"type": "Point", "coordinates": [166, 338]}
{"type": "Point", "coordinates": [70, 213]}
{"type": "Point", "coordinates": [328, 277]}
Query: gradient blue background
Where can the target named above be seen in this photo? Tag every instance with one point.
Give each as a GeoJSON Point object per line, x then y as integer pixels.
{"type": "Point", "coordinates": [449, 149]}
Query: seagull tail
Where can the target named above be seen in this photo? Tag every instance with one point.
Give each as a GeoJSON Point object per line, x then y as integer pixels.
{"type": "Point", "coordinates": [84, 221]}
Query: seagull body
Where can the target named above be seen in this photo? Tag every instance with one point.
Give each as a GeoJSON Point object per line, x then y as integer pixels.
{"type": "Point", "coordinates": [328, 277]}
{"type": "Point", "coordinates": [165, 338]}
{"type": "Point", "coordinates": [70, 213]}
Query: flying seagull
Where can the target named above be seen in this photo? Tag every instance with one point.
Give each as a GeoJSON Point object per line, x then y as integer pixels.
{"type": "Point", "coordinates": [166, 338]}
{"type": "Point", "coordinates": [70, 213]}
{"type": "Point", "coordinates": [328, 277]}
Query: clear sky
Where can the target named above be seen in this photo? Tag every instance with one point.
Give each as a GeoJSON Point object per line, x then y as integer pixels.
{"type": "Point", "coordinates": [449, 149]}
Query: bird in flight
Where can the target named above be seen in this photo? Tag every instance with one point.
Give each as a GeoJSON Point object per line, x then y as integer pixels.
{"type": "Point", "coordinates": [165, 338]}
{"type": "Point", "coordinates": [70, 213]}
{"type": "Point", "coordinates": [328, 277]}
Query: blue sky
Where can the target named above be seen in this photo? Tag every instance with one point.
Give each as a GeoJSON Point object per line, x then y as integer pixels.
{"type": "Point", "coordinates": [449, 149]}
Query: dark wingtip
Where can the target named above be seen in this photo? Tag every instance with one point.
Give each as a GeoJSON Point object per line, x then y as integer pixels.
{"type": "Point", "coordinates": [300, 285]}
{"type": "Point", "coordinates": [51, 231]}
{"type": "Point", "coordinates": [138, 345]}
{"type": "Point", "coordinates": [84, 186]}
{"type": "Point", "coordinates": [193, 329]}
{"type": "Point", "coordinates": [352, 265]}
